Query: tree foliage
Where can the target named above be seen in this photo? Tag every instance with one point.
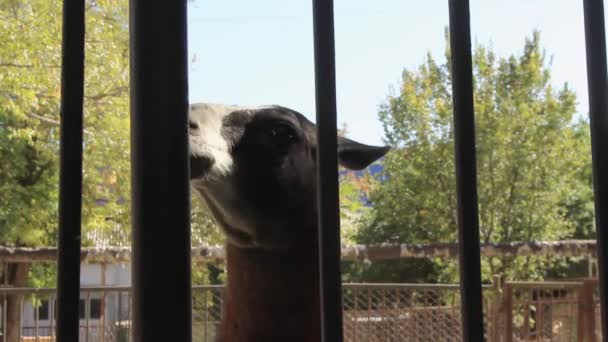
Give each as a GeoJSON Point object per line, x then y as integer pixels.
{"type": "Point", "coordinates": [531, 154]}
{"type": "Point", "coordinates": [30, 80]}
{"type": "Point", "coordinates": [30, 61]}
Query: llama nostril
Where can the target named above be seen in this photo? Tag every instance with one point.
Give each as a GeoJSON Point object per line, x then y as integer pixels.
{"type": "Point", "coordinates": [192, 125]}
{"type": "Point", "coordinates": [199, 166]}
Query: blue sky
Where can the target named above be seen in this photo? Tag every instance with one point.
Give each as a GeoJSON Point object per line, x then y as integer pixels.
{"type": "Point", "coordinates": [253, 52]}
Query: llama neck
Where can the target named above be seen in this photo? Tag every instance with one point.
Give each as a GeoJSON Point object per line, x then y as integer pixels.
{"type": "Point", "coordinates": [272, 296]}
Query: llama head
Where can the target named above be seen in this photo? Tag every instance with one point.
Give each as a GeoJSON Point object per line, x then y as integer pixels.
{"type": "Point", "coordinates": [256, 170]}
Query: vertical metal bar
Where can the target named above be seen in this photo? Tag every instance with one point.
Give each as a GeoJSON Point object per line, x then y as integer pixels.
{"type": "Point", "coordinates": [384, 311]}
{"type": "Point", "coordinates": [540, 319]}
{"type": "Point", "coordinates": [70, 177]}
{"type": "Point", "coordinates": [87, 316]}
{"type": "Point", "coordinates": [102, 338]}
{"type": "Point", "coordinates": [52, 303]}
{"type": "Point", "coordinates": [37, 322]}
{"type": "Point", "coordinates": [369, 313]}
{"type": "Point", "coordinates": [399, 311]}
{"type": "Point", "coordinates": [4, 311]}
{"type": "Point", "coordinates": [159, 158]}
{"type": "Point", "coordinates": [597, 79]}
{"type": "Point", "coordinates": [130, 314]}
{"type": "Point", "coordinates": [413, 332]}
{"type": "Point", "coordinates": [466, 171]}
{"type": "Point", "coordinates": [4, 303]}
{"type": "Point", "coordinates": [21, 315]}
{"type": "Point", "coordinates": [427, 315]}
{"type": "Point", "coordinates": [206, 313]}
{"type": "Point", "coordinates": [327, 173]}
{"type": "Point", "coordinates": [356, 316]}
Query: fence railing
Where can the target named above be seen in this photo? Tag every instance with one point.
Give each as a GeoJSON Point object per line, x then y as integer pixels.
{"type": "Point", "coordinates": [159, 89]}
{"type": "Point", "coordinates": [549, 311]}
{"type": "Point", "coordinates": [540, 311]}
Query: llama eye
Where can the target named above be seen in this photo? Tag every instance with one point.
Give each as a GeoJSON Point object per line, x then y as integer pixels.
{"type": "Point", "coordinates": [192, 125]}
{"type": "Point", "coordinates": [282, 133]}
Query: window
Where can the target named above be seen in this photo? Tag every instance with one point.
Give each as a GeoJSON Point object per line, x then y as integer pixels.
{"type": "Point", "coordinates": [81, 309]}
{"type": "Point", "coordinates": [95, 308]}
{"type": "Point", "coordinates": [43, 310]}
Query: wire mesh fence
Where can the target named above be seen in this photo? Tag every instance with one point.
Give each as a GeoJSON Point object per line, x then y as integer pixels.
{"type": "Point", "coordinates": [401, 312]}
{"type": "Point", "coordinates": [541, 311]}
{"type": "Point", "coordinates": [549, 311]}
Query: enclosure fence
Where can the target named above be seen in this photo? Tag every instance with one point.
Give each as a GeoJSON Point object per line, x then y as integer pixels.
{"type": "Point", "coordinates": [514, 311]}
{"type": "Point", "coordinates": [160, 198]}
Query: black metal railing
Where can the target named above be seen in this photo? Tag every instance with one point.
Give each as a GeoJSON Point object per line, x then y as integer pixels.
{"type": "Point", "coordinates": [70, 178]}
{"type": "Point", "coordinates": [160, 166]}
{"type": "Point", "coordinates": [327, 172]}
{"type": "Point", "coordinates": [466, 171]}
{"type": "Point", "coordinates": [595, 37]}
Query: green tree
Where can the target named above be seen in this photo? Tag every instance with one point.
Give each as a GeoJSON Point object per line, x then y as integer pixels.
{"type": "Point", "coordinates": [529, 157]}
{"type": "Point", "coordinates": [352, 210]}
{"type": "Point", "coordinates": [30, 67]}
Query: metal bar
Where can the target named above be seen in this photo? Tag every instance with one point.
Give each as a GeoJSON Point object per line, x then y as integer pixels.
{"type": "Point", "coordinates": [427, 315]}
{"type": "Point", "coordinates": [581, 314]}
{"type": "Point", "coordinates": [130, 314]}
{"type": "Point", "coordinates": [205, 314]}
{"type": "Point", "coordinates": [52, 303]}
{"type": "Point", "coordinates": [526, 332]}
{"type": "Point", "coordinates": [4, 311]}
{"type": "Point", "coordinates": [4, 303]}
{"type": "Point", "coordinates": [70, 177]}
{"type": "Point", "coordinates": [597, 79]}
{"type": "Point", "coordinates": [37, 320]}
{"type": "Point", "coordinates": [356, 309]}
{"type": "Point", "coordinates": [369, 313]}
{"type": "Point", "coordinates": [327, 172]}
{"type": "Point", "coordinates": [541, 314]}
{"type": "Point", "coordinates": [159, 159]}
{"type": "Point", "coordinates": [413, 330]}
{"type": "Point", "coordinates": [398, 307]}
{"type": "Point", "coordinates": [21, 315]}
{"type": "Point", "coordinates": [466, 171]}
{"type": "Point", "coordinates": [87, 315]}
{"type": "Point", "coordinates": [102, 338]}
{"type": "Point", "coordinates": [86, 289]}
{"type": "Point", "coordinates": [547, 284]}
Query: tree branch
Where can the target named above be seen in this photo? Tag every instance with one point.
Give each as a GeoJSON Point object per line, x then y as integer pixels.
{"type": "Point", "coordinates": [28, 66]}
{"type": "Point", "coordinates": [116, 92]}
{"type": "Point", "coordinates": [51, 121]}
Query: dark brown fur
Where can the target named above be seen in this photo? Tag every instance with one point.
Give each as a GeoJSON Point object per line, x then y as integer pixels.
{"type": "Point", "coordinates": [272, 296]}
{"type": "Point", "coordinates": [267, 207]}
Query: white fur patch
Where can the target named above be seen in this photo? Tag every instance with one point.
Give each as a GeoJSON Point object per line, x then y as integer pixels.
{"type": "Point", "coordinates": [207, 139]}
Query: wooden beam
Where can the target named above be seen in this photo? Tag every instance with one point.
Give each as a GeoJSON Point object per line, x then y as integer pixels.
{"type": "Point", "coordinates": [565, 248]}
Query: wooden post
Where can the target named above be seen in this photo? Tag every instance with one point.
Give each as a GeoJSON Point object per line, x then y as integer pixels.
{"type": "Point", "coordinates": [495, 308]}
{"type": "Point", "coordinates": [580, 320]}
{"type": "Point", "coordinates": [508, 307]}
{"type": "Point", "coordinates": [587, 314]}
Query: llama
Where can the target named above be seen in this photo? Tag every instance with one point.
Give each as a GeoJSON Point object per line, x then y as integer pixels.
{"type": "Point", "coordinates": [255, 169]}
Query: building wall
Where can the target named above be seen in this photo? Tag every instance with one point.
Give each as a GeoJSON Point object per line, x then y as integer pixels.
{"type": "Point", "coordinates": [116, 304]}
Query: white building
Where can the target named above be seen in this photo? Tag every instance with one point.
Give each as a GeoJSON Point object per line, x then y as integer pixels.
{"type": "Point", "coordinates": [101, 313]}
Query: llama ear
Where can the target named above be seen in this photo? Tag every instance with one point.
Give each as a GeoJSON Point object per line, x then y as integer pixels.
{"type": "Point", "coordinates": [356, 156]}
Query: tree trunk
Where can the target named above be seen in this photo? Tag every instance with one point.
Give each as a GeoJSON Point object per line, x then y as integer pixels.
{"type": "Point", "coordinates": [17, 277]}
